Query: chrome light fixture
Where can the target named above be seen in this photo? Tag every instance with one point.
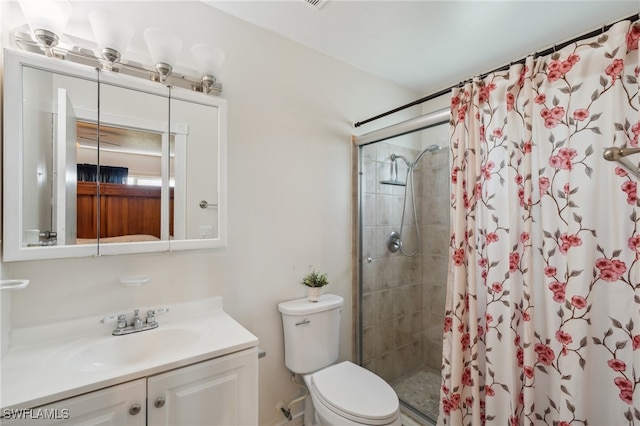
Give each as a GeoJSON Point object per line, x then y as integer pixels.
{"type": "Point", "coordinates": [164, 48]}
{"type": "Point", "coordinates": [209, 62]}
{"type": "Point", "coordinates": [47, 20]}
{"type": "Point", "coordinates": [113, 35]}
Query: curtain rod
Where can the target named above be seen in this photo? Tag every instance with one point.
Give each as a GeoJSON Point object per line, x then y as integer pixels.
{"type": "Point", "coordinates": [504, 67]}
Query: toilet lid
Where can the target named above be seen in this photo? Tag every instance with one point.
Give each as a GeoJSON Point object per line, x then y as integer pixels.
{"type": "Point", "coordinates": [356, 393]}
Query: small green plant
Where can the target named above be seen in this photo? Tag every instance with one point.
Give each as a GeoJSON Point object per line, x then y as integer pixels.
{"type": "Point", "coordinates": [315, 279]}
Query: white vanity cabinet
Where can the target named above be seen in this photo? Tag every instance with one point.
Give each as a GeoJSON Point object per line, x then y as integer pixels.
{"type": "Point", "coordinates": [121, 405]}
{"type": "Point", "coordinates": [221, 391]}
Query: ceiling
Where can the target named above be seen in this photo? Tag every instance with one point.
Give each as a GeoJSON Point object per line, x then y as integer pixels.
{"type": "Point", "coordinates": [428, 46]}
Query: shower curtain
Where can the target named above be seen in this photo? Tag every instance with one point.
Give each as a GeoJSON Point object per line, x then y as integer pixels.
{"type": "Point", "coordinates": [542, 318]}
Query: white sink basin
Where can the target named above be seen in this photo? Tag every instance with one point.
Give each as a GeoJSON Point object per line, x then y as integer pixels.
{"type": "Point", "coordinates": [120, 351]}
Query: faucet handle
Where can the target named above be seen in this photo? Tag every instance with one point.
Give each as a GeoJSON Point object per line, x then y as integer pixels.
{"type": "Point", "coordinates": [151, 314]}
{"type": "Point", "coordinates": [121, 319]}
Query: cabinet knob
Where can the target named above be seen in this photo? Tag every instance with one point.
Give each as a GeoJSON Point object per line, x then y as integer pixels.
{"type": "Point", "coordinates": [159, 402]}
{"type": "Point", "coordinates": [134, 409]}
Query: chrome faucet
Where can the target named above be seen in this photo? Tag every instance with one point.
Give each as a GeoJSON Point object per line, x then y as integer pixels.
{"type": "Point", "coordinates": [136, 324]}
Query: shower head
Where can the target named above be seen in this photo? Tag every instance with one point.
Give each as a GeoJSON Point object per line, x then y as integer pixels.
{"type": "Point", "coordinates": [433, 148]}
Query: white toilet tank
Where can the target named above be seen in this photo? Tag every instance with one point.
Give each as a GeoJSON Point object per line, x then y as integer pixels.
{"type": "Point", "coordinates": [311, 332]}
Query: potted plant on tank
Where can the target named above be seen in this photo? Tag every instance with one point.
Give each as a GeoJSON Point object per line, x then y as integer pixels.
{"type": "Point", "coordinates": [314, 281]}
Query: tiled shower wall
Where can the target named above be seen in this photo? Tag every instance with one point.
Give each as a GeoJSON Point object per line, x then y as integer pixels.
{"type": "Point", "coordinates": [403, 297]}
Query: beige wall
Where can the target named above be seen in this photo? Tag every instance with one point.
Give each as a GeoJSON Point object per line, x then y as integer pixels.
{"type": "Point", "coordinates": [291, 111]}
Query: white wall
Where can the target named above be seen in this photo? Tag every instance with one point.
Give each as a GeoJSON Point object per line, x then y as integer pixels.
{"type": "Point", "coordinates": [291, 111]}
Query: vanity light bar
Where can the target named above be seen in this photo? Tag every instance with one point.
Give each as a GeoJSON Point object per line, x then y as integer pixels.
{"type": "Point", "coordinates": [83, 56]}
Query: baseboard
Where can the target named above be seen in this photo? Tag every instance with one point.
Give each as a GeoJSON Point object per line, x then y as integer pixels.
{"type": "Point", "coordinates": [297, 420]}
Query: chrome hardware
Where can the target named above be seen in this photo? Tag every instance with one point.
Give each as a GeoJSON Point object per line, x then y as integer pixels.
{"type": "Point", "coordinates": [393, 242]}
{"type": "Point", "coordinates": [303, 322]}
{"type": "Point", "coordinates": [205, 204]}
{"type": "Point", "coordinates": [159, 402]}
{"type": "Point", "coordinates": [137, 323]}
{"type": "Point", "coordinates": [135, 409]}
{"type": "Point", "coordinates": [369, 260]}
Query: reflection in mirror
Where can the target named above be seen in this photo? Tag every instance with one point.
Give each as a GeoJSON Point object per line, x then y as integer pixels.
{"type": "Point", "coordinates": [134, 193]}
{"type": "Point", "coordinates": [51, 103]}
{"type": "Point", "coordinates": [130, 177]}
{"type": "Point", "coordinates": [196, 170]}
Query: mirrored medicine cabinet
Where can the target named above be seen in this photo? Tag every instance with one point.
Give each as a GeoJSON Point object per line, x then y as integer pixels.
{"type": "Point", "coordinates": [99, 163]}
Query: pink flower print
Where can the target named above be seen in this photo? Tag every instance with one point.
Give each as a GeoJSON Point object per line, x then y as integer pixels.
{"type": "Point", "coordinates": [455, 400]}
{"type": "Point", "coordinates": [569, 240]}
{"type": "Point", "coordinates": [545, 354]}
{"type": "Point", "coordinates": [573, 59]}
{"type": "Point", "coordinates": [483, 96]}
{"type": "Point", "coordinates": [486, 169]}
{"type": "Point", "coordinates": [462, 112]}
{"type": "Point", "coordinates": [550, 271]}
{"type": "Point", "coordinates": [632, 37]}
{"type": "Point", "coordinates": [623, 383]}
{"type": "Point", "coordinates": [497, 287]}
{"type": "Point", "coordinates": [465, 341]}
{"type": "Point", "coordinates": [635, 129]}
{"type": "Point", "coordinates": [528, 371]}
{"type": "Point", "coordinates": [563, 423]}
{"type": "Point", "coordinates": [526, 148]}
{"type": "Point", "coordinates": [489, 390]}
{"type": "Point", "coordinates": [523, 73]}
{"type": "Point", "coordinates": [626, 396]}
{"type": "Point", "coordinates": [543, 184]}
{"type": "Point", "coordinates": [566, 188]}
{"type": "Point", "coordinates": [518, 179]}
{"type": "Point", "coordinates": [455, 100]}
{"type": "Point", "coordinates": [565, 67]}
{"type": "Point", "coordinates": [483, 136]}
{"type": "Point", "coordinates": [634, 242]}
{"type": "Point", "coordinates": [489, 317]}
{"type": "Point", "coordinates": [626, 389]}
{"type": "Point", "coordinates": [558, 289]}
{"type": "Point", "coordinates": [458, 257]}
{"type": "Point", "coordinates": [610, 270]}
{"type": "Point", "coordinates": [492, 237]}
{"type": "Point", "coordinates": [511, 100]}
{"type": "Point", "coordinates": [497, 133]}
{"type": "Point", "coordinates": [526, 316]}
{"type": "Point", "coordinates": [581, 114]}
{"type": "Point", "coordinates": [630, 188]}
{"type": "Point", "coordinates": [617, 365]}
{"type": "Point", "coordinates": [579, 302]}
{"type": "Point", "coordinates": [513, 420]}
{"type": "Point", "coordinates": [520, 357]}
{"type": "Point", "coordinates": [448, 323]}
{"type": "Point", "coordinates": [514, 260]}
{"type": "Point", "coordinates": [454, 174]}
{"type": "Point", "coordinates": [614, 69]}
{"type": "Point", "coordinates": [446, 406]}
{"type": "Point", "coordinates": [466, 377]}
{"type": "Point", "coordinates": [564, 338]}
{"type": "Point", "coordinates": [636, 342]}
{"type": "Point", "coordinates": [516, 340]}
{"type": "Point", "coordinates": [524, 237]}
{"type": "Point", "coordinates": [482, 262]}
{"type": "Point", "coordinates": [621, 172]}
{"type": "Point", "coordinates": [469, 401]}
{"type": "Point", "coordinates": [540, 99]}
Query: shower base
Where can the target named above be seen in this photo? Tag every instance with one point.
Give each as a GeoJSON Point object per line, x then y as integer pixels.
{"type": "Point", "coordinates": [421, 391]}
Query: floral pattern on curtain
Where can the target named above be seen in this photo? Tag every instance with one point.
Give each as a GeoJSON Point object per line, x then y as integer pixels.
{"type": "Point", "coordinates": [542, 322]}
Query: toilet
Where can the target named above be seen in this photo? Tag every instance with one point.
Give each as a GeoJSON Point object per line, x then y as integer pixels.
{"type": "Point", "coordinates": [339, 394]}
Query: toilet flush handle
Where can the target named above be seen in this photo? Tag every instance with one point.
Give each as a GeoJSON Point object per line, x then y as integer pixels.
{"type": "Point", "coordinates": [305, 321]}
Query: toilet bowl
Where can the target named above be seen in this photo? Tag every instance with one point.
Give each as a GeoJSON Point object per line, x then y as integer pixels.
{"type": "Point", "coordinates": [339, 394]}
{"type": "Point", "coordinates": [347, 394]}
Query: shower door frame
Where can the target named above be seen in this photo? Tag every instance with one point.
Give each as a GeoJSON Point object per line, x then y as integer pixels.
{"type": "Point", "coordinates": [426, 121]}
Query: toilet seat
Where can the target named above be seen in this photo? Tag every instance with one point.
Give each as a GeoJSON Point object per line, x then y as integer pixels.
{"type": "Point", "coordinates": [356, 394]}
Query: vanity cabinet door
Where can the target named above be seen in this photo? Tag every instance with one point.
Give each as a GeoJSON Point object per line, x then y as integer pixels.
{"type": "Point", "coordinates": [121, 405]}
{"type": "Point", "coordinates": [222, 391]}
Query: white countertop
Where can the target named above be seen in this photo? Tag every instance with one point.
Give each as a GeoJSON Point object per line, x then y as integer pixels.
{"type": "Point", "coordinates": [37, 371]}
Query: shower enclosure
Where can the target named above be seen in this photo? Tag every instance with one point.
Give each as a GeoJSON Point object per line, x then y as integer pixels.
{"type": "Point", "coordinates": [403, 257]}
